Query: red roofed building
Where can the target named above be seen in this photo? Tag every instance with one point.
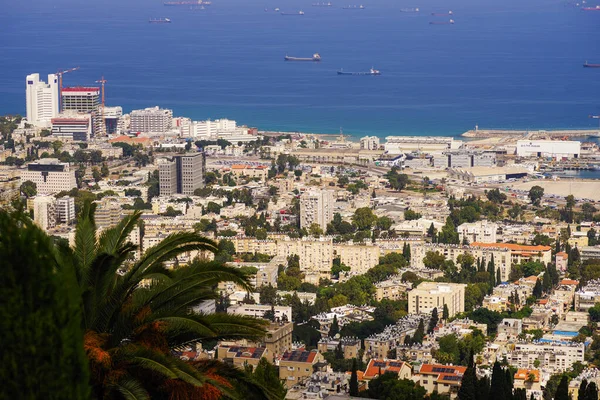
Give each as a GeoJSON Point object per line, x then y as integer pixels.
{"type": "Point", "coordinates": [528, 379]}
{"type": "Point", "coordinates": [144, 141]}
{"type": "Point", "coordinates": [298, 365]}
{"type": "Point", "coordinates": [261, 172]}
{"type": "Point", "coordinates": [377, 367]}
{"type": "Point", "coordinates": [444, 379]}
{"type": "Point", "coordinates": [521, 252]}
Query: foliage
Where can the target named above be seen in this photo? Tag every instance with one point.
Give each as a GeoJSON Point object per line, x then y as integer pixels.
{"type": "Point", "coordinates": [364, 218]}
{"type": "Point", "coordinates": [389, 387]}
{"type": "Point", "coordinates": [41, 346]}
{"type": "Point", "coordinates": [410, 215]}
{"type": "Point", "coordinates": [535, 194]}
{"type": "Point", "coordinates": [397, 180]}
{"type": "Point", "coordinates": [29, 189]}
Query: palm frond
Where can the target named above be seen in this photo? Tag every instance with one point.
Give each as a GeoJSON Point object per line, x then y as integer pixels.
{"type": "Point", "coordinates": [115, 237]}
{"type": "Point", "coordinates": [131, 389]}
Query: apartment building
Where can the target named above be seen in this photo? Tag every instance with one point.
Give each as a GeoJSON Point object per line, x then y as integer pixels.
{"type": "Point", "coordinates": [391, 289]}
{"type": "Point", "coordinates": [151, 120]}
{"type": "Point", "coordinates": [429, 295]}
{"type": "Point", "coordinates": [552, 356]}
{"type": "Point", "coordinates": [350, 346]}
{"type": "Point", "coordinates": [282, 313]}
{"type": "Point", "coordinates": [182, 174]}
{"type": "Point", "coordinates": [65, 210]}
{"type": "Point", "coordinates": [480, 231]}
{"type": "Point", "coordinates": [298, 365]}
{"type": "Point", "coordinates": [278, 339]}
{"type": "Point", "coordinates": [41, 99]}
{"type": "Point", "coordinates": [316, 207]}
{"type": "Point", "coordinates": [241, 356]}
{"type": "Point", "coordinates": [108, 212]}
{"type": "Point", "coordinates": [44, 212]}
{"type": "Point", "coordinates": [443, 379]}
{"type": "Point", "coordinates": [50, 176]}
{"type": "Point", "coordinates": [377, 366]}
{"type": "Point", "coordinates": [259, 172]}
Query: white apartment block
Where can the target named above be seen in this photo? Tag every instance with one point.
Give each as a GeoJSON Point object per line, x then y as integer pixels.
{"type": "Point", "coordinates": [41, 99]}
{"type": "Point", "coordinates": [480, 231]}
{"type": "Point", "coordinates": [50, 176]}
{"type": "Point", "coordinates": [282, 313]}
{"type": "Point", "coordinates": [65, 210]}
{"type": "Point", "coordinates": [359, 258]}
{"type": "Point", "coordinates": [316, 207]}
{"type": "Point", "coordinates": [429, 295]}
{"type": "Point", "coordinates": [152, 120]}
{"type": "Point", "coordinates": [369, 143]}
{"type": "Point", "coordinates": [44, 212]}
{"type": "Point", "coordinates": [552, 356]}
{"type": "Point", "coordinates": [210, 130]}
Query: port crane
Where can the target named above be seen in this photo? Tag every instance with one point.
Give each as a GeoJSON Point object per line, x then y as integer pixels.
{"type": "Point", "coordinates": [60, 74]}
{"type": "Point", "coordinates": [102, 124]}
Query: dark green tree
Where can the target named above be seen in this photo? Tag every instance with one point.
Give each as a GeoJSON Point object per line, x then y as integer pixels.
{"type": "Point", "coordinates": [445, 313]}
{"type": "Point", "coordinates": [354, 379]}
{"type": "Point", "coordinates": [591, 392]}
{"type": "Point", "coordinates": [468, 385]}
{"type": "Point", "coordinates": [499, 384]}
{"type": "Point", "coordinates": [419, 333]}
{"type": "Point", "coordinates": [562, 391]}
{"type": "Point", "coordinates": [433, 321]}
{"type": "Point", "coordinates": [335, 328]}
{"type": "Point", "coordinates": [537, 289]}
{"type": "Point", "coordinates": [41, 346]}
{"type": "Point", "coordinates": [581, 391]}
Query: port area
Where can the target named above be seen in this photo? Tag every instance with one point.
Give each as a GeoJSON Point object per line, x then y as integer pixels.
{"type": "Point", "coordinates": [529, 134]}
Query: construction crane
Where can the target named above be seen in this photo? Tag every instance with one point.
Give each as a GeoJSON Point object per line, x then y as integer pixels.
{"type": "Point", "coordinates": [102, 81]}
{"type": "Point", "coordinates": [60, 74]}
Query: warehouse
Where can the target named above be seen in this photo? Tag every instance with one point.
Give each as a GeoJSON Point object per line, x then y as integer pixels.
{"type": "Point", "coordinates": [557, 149]}
{"type": "Point", "coordinates": [487, 174]}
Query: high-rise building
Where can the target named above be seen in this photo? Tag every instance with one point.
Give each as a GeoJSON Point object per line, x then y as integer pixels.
{"type": "Point", "coordinates": [182, 174]}
{"type": "Point", "coordinates": [108, 212]}
{"type": "Point", "coordinates": [65, 210]}
{"type": "Point", "coordinates": [82, 99]}
{"type": "Point", "coordinates": [44, 212]}
{"type": "Point", "coordinates": [316, 207]}
{"type": "Point", "coordinates": [73, 126]}
{"type": "Point", "coordinates": [41, 99]}
{"type": "Point", "coordinates": [113, 119]}
{"type": "Point", "coordinates": [154, 120]}
{"type": "Point", "coordinates": [369, 143]}
{"type": "Point", "coordinates": [50, 176]}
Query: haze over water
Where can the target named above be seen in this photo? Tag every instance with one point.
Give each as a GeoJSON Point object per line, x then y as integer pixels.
{"type": "Point", "coordinates": [503, 64]}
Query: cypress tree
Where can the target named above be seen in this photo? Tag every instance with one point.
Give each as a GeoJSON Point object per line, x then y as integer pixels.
{"type": "Point", "coordinates": [498, 385]}
{"type": "Point", "coordinates": [419, 333]}
{"type": "Point", "coordinates": [433, 321]}
{"type": "Point", "coordinates": [335, 328]}
{"type": "Point", "coordinates": [483, 388]}
{"type": "Point", "coordinates": [547, 282]}
{"type": "Point", "coordinates": [562, 391]}
{"type": "Point", "coordinates": [537, 289]}
{"type": "Point", "coordinates": [508, 383]}
{"type": "Point", "coordinates": [468, 385]}
{"type": "Point", "coordinates": [591, 391]}
{"type": "Point", "coordinates": [445, 313]}
{"type": "Point", "coordinates": [498, 277]}
{"type": "Point", "coordinates": [41, 346]}
{"type": "Point", "coordinates": [520, 394]}
{"type": "Point", "coordinates": [557, 249]}
{"type": "Point", "coordinates": [354, 379]}
{"type": "Point", "coordinates": [581, 391]}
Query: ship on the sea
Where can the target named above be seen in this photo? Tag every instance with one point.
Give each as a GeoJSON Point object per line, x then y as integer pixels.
{"type": "Point", "coordinates": [354, 7]}
{"type": "Point", "coordinates": [315, 57]}
{"type": "Point", "coordinates": [294, 13]}
{"type": "Point", "coordinates": [451, 22]}
{"type": "Point", "coordinates": [588, 65]}
{"type": "Point", "coordinates": [597, 8]}
{"type": "Point", "coordinates": [372, 71]}
{"type": "Point", "coordinates": [442, 14]}
{"type": "Point", "coordinates": [187, 3]}
{"type": "Point", "coordinates": [322, 4]}
{"type": "Point", "coordinates": [409, 10]}
{"type": "Point", "coordinates": [159, 20]}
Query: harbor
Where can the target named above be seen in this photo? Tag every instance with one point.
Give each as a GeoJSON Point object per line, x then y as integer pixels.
{"type": "Point", "coordinates": [530, 134]}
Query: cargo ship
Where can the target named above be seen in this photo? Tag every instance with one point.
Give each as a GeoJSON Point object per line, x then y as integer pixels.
{"type": "Point", "coordinates": [409, 10]}
{"type": "Point", "coordinates": [372, 71]}
{"type": "Point", "coordinates": [322, 4]}
{"type": "Point", "coordinates": [295, 13]}
{"type": "Point", "coordinates": [361, 7]}
{"type": "Point", "coordinates": [159, 20]}
{"type": "Point", "coordinates": [442, 14]}
{"type": "Point", "coordinates": [597, 8]}
{"type": "Point", "coordinates": [451, 22]}
{"type": "Point", "coordinates": [187, 3]}
{"type": "Point", "coordinates": [315, 57]}
{"type": "Point", "coordinates": [587, 65]}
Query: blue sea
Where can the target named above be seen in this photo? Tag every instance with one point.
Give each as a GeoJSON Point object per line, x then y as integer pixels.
{"type": "Point", "coordinates": [503, 64]}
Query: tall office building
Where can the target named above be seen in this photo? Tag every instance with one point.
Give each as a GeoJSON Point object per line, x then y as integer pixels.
{"type": "Point", "coordinates": [182, 174]}
{"type": "Point", "coordinates": [73, 126]}
{"type": "Point", "coordinates": [41, 99]}
{"type": "Point", "coordinates": [81, 99]}
{"type": "Point", "coordinates": [50, 176]}
{"type": "Point", "coordinates": [154, 120]}
{"type": "Point", "coordinates": [316, 207]}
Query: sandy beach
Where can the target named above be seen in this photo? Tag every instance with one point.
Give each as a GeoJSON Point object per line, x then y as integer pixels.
{"type": "Point", "coordinates": [587, 189]}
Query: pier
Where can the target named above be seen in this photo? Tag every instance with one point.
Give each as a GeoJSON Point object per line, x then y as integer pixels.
{"type": "Point", "coordinates": [530, 134]}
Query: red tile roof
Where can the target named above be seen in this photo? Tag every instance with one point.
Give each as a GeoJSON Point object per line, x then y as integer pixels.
{"type": "Point", "coordinates": [513, 247]}
{"type": "Point", "coordinates": [569, 282]}
{"type": "Point", "coordinates": [384, 366]}
{"type": "Point", "coordinates": [523, 374]}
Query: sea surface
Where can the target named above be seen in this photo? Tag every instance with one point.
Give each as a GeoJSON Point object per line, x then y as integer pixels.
{"type": "Point", "coordinates": [503, 64]}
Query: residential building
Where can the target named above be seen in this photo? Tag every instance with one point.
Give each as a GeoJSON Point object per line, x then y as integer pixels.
{"type": "Point", "coordinates": [588, 296]}
{"type": "Point", "coordinates": [443, 379]}
{"type": "Point", "coordinates": [391, 289]}
{"type": "Point", "coordinates": [553, 356]}
{"type": "Point", "coordinates": [210, 130]}
{"type": "Point", "coordinates": [282, 313]}
{"type": "Point", "coordinates": [510, 326]}
{"type": "Point", "coordinates": [350, 346]}
{"type": "Point", "coordinates": [260, 172]}
{"type": "Point", "coordinates": [480, 231]}
{"type": "Point", "coordinates": [562, 260]}
{"type": "Point", "coordinates": [369, 143]}
{"type": "Point", "coordinates": [72, 126]}
{"type": "Point", "coordinates": [113, 120]}
{"type": "Point", "coordinates": [241, 356]}
{"type": "Point", "coordinates": [65, 210]}
{"type": "Point", "coordinates": [44, 212]}
{"type": "Point", "coordinates": [376, 366]}
{"type": "Point", "coordinates": [151, 120]}
{"type": "Point", "coordinates": [108, 212]}
{"type": "Point", "coordinates": [316, 207]}
{"type": "Point", "coordinates": [182, 174]}
{"type": "Point", "coordinates": [81, 99]}
{"type": "Point", "coordinates": [50, 176]}
{"type": "Point", "coordinates": [298, 365]}
{"type": "Point", "coordinates": [429, 295]}
{"type": "Point", "coordinates": [41, 99]}
{"type": "Point", "coordinates": [528, 379]}
{"type": "Point", "coordinates": [278, 339]}
{"type": "Point", "coordinates": [378, 345]}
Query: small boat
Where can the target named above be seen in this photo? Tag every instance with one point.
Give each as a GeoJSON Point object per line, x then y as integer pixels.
{"type": "Point", "coordinates": [322, 4]}
{"type": "Point", "coordinates": [442, 14]}
{"type": "Point", "coordinates": [159, 20]}
{"type": "Point", "coordinates": [296, 13]}
{"type": "Point", "coordinates": [597, 8]}
{"type": "Point", "coordinates": [354, 7]}
{"type": "Point", "coordinates": [588, 65]}
{"type": "Point", "coordinates": [409, 10]}
{"type": "Point", "coordinates": [372, 71]}
{"type": "Point", "coordinates": [315, 57]}
{"type": "Point", "coordinates": [451, 22]}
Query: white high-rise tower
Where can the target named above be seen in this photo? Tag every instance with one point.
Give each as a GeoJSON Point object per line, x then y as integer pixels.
{"type": "Point", "coordinates": [42, 99]}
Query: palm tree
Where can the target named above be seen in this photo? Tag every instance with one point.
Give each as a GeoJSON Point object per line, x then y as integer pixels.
{"type": "Point", "coordinates": [136, 313]}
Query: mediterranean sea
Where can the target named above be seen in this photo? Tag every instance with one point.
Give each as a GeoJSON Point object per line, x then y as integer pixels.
{"type": "Point", "coordinates": [503, 64]}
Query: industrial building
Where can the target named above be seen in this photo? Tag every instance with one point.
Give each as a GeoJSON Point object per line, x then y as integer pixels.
{"type": "Point", "coordinates": [556, 149]}
{"type": "Point", "coordinates": [487, 174]}
{"type": "Point", "coordinates": [151, 120]}
{"type": "Point", "coordinates": [465, 159]}
{"type": "Point", "coordinates": [41, 99]}
{"type": "Point", "coordinates": [182, 174]}
{"type": "Point", "coordinates": [428, 144]}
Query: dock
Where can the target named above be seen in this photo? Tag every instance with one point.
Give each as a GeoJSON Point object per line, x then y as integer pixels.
{"type": "Point", "coordinates": [530, 134]}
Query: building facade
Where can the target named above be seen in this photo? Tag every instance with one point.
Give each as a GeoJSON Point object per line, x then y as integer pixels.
{"type": "Point", "coordinates": [316, 207]}
{"type": "Point", "coordinates": [152, 120]}
{"type": "Point", "coordinates": [429, 295]}
{"type": "Point", "coordinates": [480, 231]}
{"type": "Point", "coordinates": [81, 99]}
{"type": "Point", "coordinates": [76, 127]}
{"type": "Point", "coordinates": [50, 176]}
{"type": "Point", "coordinates": [41, 99]}
{"type": "Point", "coordinates": [44, 212]}
{"type": "Point", "coordinates": [65, 210]}
{"type": "Point", "coordinates": [183, 174]}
